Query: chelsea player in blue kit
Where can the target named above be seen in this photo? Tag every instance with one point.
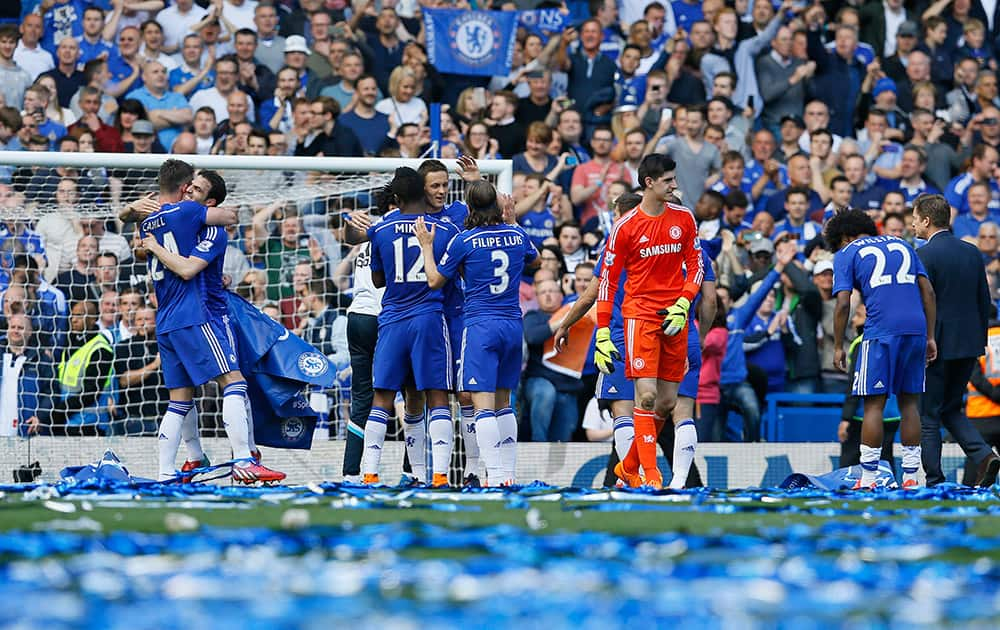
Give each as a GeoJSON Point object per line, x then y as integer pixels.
{"type": "Point", "coordinates": [209, 189]}
{"type": "Point", "coordinates": [491, 256]}
{"type": "Point", "coordinates": [186, 327]}
{"type": "Point", "coordinates": [898, 335]}
{"type": "Point", "coordinates": [413, 340]}
{"type": "Point", "coordinates": [436, 186]}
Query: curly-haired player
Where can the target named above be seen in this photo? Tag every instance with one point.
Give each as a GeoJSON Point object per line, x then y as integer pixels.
{"type": "Point", "coordinates": [898, 335]}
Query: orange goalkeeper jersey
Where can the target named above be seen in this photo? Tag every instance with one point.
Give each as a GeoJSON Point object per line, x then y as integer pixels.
{"type": "Point", "coordinates": [654, 253]}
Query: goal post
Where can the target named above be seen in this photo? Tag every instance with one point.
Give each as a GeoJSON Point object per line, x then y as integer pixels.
{"type": "Point", "coordinates": [59, 220]}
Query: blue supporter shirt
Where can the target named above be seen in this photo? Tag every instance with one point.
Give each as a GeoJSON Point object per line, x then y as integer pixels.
{"type": "Point", "coordinates": [169, 100]}
{"type": "Point", "coordinates": [181, 303]}
{"type": "Point", "coordinates": [910, 194]}
{"type": "Point", "coordinates": [61, 21]}
{"type": "Point", "coordinates": [968, 225]}
{"type": "Point", "coordinates": [90, 51]}
{"type": "Point", "coordinates": [957, 193]}
{"type": "Point", "coordinates": [538, 225]}
{"type": "Point", "coordinates": [630, 90]}
{"type": "Point", "coordinates": [804, 233]}
{"type": "Point", "coordinates": [395, 252]}
{"type": "Point", "coordinates": [885, 270]}
{"type": "Point", "coordinates": [754, 171]}
{"type": "Point", "coordinates": [686, 14]}
{"type": "Point", "coordinates": [211, 247]}
{"type": "Point", "coordinates": [120, 70]}
{"type": "Point", "coordinates": [180, 75]}
{"type": "Point", "coordinates": [492, 259]}
{"type": "Point", "coordinates": [746, 185]}
{"type": "Point", "coordinates": [371, 132]}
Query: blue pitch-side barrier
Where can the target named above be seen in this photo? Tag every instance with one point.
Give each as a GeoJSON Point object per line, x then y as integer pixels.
{"type": "Point", "coordinates": [801, 417]}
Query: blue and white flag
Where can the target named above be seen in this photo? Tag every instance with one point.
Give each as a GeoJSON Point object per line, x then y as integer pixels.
{"type": "Point", "coordinates": [544, 22]}
{"type": "Point", "coordinates": [477, 43]}
{"type": "Point", "coordinates": [279, 369]}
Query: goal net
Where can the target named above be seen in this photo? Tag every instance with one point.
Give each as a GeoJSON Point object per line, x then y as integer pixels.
{"type": "Point", "coordinates": [69, 269]}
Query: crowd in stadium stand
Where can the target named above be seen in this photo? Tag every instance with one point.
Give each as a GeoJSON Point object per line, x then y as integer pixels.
{"type": "Point", "coordinates": [777, 116]}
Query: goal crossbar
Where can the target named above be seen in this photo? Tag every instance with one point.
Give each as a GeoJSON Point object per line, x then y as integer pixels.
{"type": "Point", "coordinates": [502, 169]}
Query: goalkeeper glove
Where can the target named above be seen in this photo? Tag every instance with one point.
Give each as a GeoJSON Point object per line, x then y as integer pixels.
{"type": "Point", "coordinates": [675, 317]}
{"type": "Point", "coordinates": [605, 352]}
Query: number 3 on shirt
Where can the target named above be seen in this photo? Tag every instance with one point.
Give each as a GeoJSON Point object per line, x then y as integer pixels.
{"type": "Point", "coordinates": [416, 271]}
{"type": "Point", "coordinates": [500, 271]}
{"type": "Point", "coordinates": [879, 278]}
{"type": "Point", "coordinates": [155, 266]}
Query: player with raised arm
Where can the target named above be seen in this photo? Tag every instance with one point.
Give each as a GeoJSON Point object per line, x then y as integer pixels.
{"type": "Point", "coordinates": [490, 255]}
{"type": "Point", "coordinates": [413, 341]}
{"type": "Point", "coordinates": [195, 346]}
{"type": "Point", "coordinates": [898, 336]}
{"type": "Point", "coordinates": [436, 184]}
{"type": "Point", "coordinates": [657, 245]}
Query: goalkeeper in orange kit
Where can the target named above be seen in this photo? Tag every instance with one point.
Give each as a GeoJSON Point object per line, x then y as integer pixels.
{"type": "Point", "coordinates": [657, 246]}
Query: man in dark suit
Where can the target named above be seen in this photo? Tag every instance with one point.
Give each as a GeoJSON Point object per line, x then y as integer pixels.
{"type": "Point", "coordinates": [956, 272]}
{"type": "Point", "coordinates": [873, 23]}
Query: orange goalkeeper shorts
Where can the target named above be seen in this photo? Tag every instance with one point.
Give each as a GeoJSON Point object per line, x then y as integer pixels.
{"type": "Point", "coordinates": [651, 354]}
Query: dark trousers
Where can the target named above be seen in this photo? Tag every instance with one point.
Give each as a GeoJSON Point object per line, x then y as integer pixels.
{"type": "Point", "coordinates": [941, 406]}
{"type": "Point", "coordinates": [989, 428]}
{"type": "Point", "coordinates": [850, 449]}
{"type": "Point", "coordinates": [362, 333]}
{"type": "Point", "coordinates": [666, 441]}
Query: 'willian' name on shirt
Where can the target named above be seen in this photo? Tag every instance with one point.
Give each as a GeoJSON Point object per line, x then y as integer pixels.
{"type": "Point", "coordinates": [497, 241]}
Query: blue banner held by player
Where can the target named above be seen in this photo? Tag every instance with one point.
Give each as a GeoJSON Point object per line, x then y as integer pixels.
{"type": "Point", "coordinates": [478, 43]}
{"type": "Point", "coordinates": [544, 22]}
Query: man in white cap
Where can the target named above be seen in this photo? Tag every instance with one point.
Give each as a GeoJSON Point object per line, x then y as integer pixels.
{"type": "Point", "coordinates": [296, 54]}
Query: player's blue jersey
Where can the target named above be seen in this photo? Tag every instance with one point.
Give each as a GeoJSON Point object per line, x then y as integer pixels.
{"type": "Point", "coordinates": [454, 297]}
{"type": "Point", "coordinates": [181, 303]}
{"type": "Point", "coordinates": [395, 251]}
{"type": "Point", "coordinates": [708, 276]}
{"type": "Point", "coordinates": [885, 270]}
{"type": "Point", "coordinates": [617, 325]}
{"type": "Point", "coordinates": [492, 259]}
{"type": "Point", "coordinates": [211, 248]}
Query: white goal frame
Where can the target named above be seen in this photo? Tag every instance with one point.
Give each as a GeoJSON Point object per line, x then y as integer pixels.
{"type": "Point", "coordinates": [502, 169]}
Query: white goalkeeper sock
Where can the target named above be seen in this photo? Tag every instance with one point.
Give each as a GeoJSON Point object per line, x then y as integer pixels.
{"type": "Point", "coordinates": [685, 443]}
{"type": "Point", "coordinates": [488, 434]}
{"type": "Point", "coordinates": [234, 418]}
{"type": "Point", "coordinates": [468, 424]}
{"type": "Point", "coordinates": [170, 437]}
{"type": "Point", "coordinates": [191, 436]}
{"type": "Point", "coordinates": [870, 456]}
{"type": "Point", "coordinates": [624, 433]}
{"type": "Point", "coordinates": [415, 435]}
{"type": "Point", "coordinates": [442, 432]}
{"type": "Point", "coordinates": [507, 424]}
{"type": "Point", "coordinates": [378, 419]}
{"type": "Point", "coordinates": [911, 462]}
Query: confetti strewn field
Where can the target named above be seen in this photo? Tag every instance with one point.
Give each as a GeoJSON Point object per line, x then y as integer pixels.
{"type": "Point", "coordinates": [222, 557]}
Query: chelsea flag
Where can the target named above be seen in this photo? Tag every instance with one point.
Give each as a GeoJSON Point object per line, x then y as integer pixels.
{"type": "Point", "coordinates": [479, 43]}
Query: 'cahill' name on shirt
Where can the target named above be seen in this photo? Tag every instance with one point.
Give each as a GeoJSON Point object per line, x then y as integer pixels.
{"type": "Point", "coordinates": [656, 250]}
{"type": "Point", "coordinates": [151, 224]}
{"type": "Point", "coordinates": [497, 241]}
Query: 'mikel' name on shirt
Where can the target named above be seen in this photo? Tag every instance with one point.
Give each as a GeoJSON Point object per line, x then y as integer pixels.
{"type": "Point", "coordinates": [497, 241]}
{"type": "Point", "coordinates": [657, 250]}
